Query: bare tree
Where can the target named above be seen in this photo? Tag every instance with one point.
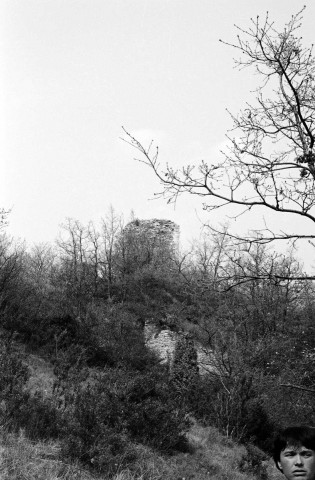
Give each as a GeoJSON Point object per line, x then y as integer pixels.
{"type": "Point", "coordinates": [39, 267]}
{"type": "Point", "coordinates": [270, 162]}
{"type": "Point", "coordinates": [112, 227]}
{"type": "Point", "coordinates": [77, 271]}
{"type": "Point", "coordinates": [11, 266]}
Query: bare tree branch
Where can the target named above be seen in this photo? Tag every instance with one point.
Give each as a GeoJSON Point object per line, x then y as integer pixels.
{"type": "Point", "coordinates": [270, 161]}
{"type": "Point", "coordinates": [297, 387]}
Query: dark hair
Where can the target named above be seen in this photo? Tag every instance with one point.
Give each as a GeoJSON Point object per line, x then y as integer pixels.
{"type": "Point", "coordinates": [293, 436]}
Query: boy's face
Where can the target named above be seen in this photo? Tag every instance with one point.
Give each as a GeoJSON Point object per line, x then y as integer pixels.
{"type": "Point", "coordinates": [297, 463]}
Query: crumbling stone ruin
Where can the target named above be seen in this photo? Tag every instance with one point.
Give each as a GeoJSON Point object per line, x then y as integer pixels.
{"type": "Point", "coordinates": [163, 343]}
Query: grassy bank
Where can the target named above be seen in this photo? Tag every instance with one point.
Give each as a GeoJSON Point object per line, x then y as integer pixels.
{"type": "Point", "coordinates": [212, 457]}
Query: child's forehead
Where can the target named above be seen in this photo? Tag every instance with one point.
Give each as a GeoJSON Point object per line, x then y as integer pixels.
{"type": "Point", "coordinates": [295, 446]}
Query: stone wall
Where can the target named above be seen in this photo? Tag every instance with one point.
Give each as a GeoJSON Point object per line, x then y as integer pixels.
{"type": "Point", "coordinates": [155, 228]}
{"type": "Point", "coordinates": [163, 343]}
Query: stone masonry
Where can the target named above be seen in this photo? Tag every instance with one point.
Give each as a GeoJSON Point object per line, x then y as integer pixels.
{"type": "Point", "coordinates": [163, 342]}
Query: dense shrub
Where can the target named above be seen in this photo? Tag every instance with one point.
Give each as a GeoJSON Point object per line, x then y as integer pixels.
{"type": "Point", "coordinates": [48, 334]}
{"type": "Point", "coordinates": [237, 407]}
{"type": "Point", "coordinates": [253, 462]}
{"type": "Point", "coordinates": [13, 377]}
{"type": "Point", "coordinates": [39, 417]}
{"type": "Point", "coordinates": [93, 426]}
{"type": "Point", "coordinates": [92, 430]}
{"type": "Point", "coordinates": [114, 337]}
{"type": "Point", "coordinates": [102, 414]}
{"type": "Point", "coordinates": [185, 371]}
{"type": "Point", "coordinates": [154, 415]}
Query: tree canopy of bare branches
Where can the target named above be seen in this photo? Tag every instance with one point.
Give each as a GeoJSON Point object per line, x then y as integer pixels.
{"type": "Point", "coordinates": [270, 161]}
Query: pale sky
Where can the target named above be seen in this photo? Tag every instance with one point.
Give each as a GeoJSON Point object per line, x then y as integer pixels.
{"type": "Point", "coordinates": [72, 72]}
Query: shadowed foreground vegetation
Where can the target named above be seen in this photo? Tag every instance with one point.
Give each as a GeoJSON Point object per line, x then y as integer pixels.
{"type": "Point", "coordinates": [212, 456]}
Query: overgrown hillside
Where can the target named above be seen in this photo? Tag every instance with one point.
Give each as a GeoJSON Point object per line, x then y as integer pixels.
{"type": "Point", "coordinates": [78, 379]}
{"type": "Point", "coordinates": [211, 456]}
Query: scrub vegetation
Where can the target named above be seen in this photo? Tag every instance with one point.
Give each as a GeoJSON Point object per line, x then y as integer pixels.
{"type": "Point", "coordinates": [81, 394]}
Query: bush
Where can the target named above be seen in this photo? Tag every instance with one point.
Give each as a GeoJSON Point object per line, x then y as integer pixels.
{"type": "Point", "coordinates": [239, 411]}
{"type": "Point", "coordinates": [51, 333]}
{"type": "Point", "coordinates": [115, 338]}
{"type": "Point", "coordinates": [93, 428]}
{"type": "Point", "coordinates": [106, 411]}
{"type": "Point", "coordinates": [185, 371]}
{"type": "Point", "coordinates": [13, 377]}
{"type": "Point", "coordinates": [39, 417]}
{"type": "Point", "coordinates": [154, 415]}
{"type": "Point", "coordinates": [252, 462]}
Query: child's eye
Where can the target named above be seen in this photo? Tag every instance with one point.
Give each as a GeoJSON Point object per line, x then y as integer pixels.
{"type": "Point", "coordinates": [307, 454]}
{"type": "Point", "coordinates": [290, 453]}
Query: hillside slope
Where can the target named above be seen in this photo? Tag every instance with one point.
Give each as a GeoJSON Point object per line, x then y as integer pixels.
{"type": "Point", "coordinates": [211, 456]}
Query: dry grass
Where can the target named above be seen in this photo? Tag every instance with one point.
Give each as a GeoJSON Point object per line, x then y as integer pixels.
{"type": "Point", "coordinates": [272, 472]}
{"type": "Point", "coordinates": [214, 457]}
{"type": "Point", "coordinates": [41, 375]}
{"type": "Point", "coordinates": [23, 459]}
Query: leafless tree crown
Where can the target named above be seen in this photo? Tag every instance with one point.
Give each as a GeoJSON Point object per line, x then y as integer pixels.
{"type": "Point", "coordinates": [270, 160]}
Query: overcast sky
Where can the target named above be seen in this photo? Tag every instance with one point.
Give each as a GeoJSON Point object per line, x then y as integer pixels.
{"type": "Point", "coordinates": [74, 71]}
